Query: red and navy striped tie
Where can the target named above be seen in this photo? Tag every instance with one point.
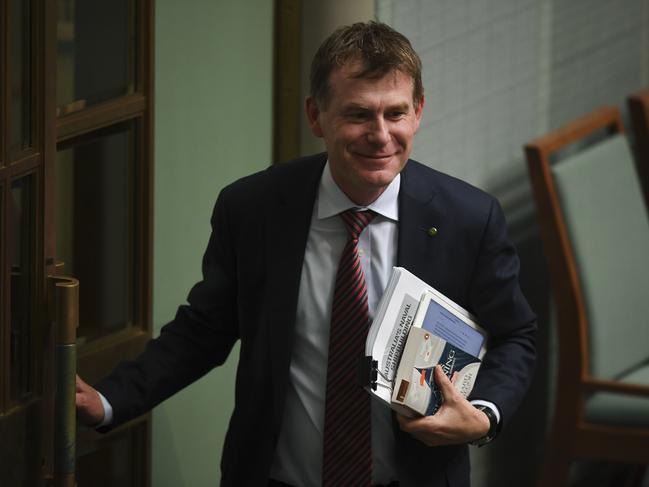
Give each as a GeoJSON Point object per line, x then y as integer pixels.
{"type": "Point", "coordinates": [347, 452]}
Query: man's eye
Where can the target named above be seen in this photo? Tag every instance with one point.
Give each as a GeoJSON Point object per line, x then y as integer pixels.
{"type": "Point", "coordinates": [396, 114]}
{"type": "Point", "coordinates": [358, 115]}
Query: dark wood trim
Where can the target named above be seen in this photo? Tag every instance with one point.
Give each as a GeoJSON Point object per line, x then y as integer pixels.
{"type": "Point", "coordinates": [593, 384]}
{"type": "Point", "coordinates": [287, 102]}
{"type": "Point", "coordinates": [4, 297]}
{"type": "Point", "coordinates": [98, 358]}
{"type": "Point", "coordinates": [604, 118]}
{"type": "Point", "coordinates": [629, 446]}
{"type": "Point", "coordinates": [24, 165]}
{"type": "Point", "coordinates": [92, 435]}
{"type": "Point", "coordinates": [40, 159]}
{"type": "Point", "coordinates": [147, 154]}
{"type": "Point", "coordinates": [141, 72]}
{"type": "Point", "coordinates": [99, 116]}
{"type": "Point", "coordinates": [141, 426]}
{"type": "Point", "coordinates": [47, 119]}
{"type": "Point", "coordinates": [22, 465]}
{"type": "Point", "coordinates": [39, 306]}
{"type": "Point", "coordinates": [37, 70]}
{"type": "Point", "coordinates": [638, 104]}
{"type": "Point", "coordinates": [36, 295]}
{"type": "Point", "coordinates": [147, 199]}
{"type": "Point", "coordinates": [23, 154]}
{"type": "Point", "coordinates": [34, 61]}
{"type": "Point", "coordinates": [4, 91]}
{"type": "Point", "coordinates": [48, 125]}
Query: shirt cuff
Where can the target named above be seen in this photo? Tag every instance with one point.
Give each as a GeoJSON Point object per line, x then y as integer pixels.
{"type": "Point", "coordinates": [489, 404]}
{"type": "Point", "coordinates": [108, 412]}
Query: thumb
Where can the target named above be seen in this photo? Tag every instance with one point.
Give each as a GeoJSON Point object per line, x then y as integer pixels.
{"type": "Point", "coordinates": [444, 383]}
{"type": "Point", "coordinates": [81, 386]}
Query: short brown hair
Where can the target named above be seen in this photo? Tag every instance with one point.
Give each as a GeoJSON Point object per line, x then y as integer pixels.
{"type": "Point", "coordinates": [380, 48]}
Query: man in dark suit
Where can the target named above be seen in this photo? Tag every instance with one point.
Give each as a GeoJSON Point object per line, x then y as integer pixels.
{"type": "Point", "coordinates": [269, 274]}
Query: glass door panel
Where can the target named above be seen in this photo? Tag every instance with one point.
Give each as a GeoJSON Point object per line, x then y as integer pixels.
{"type": "Point", "coordinates": [96, 52]}
{"type": "Point", "coordinates": [22, 226]}
{"type": "Point", "coordinates": [20, 96]}
{"type": "Point", "coordinates": [96, 235]}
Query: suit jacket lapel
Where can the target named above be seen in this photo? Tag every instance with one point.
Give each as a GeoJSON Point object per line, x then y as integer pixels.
{"type": "Point", "coordinates": [417, 216]}
{"type": "Point", "coordinates": [287, 228]}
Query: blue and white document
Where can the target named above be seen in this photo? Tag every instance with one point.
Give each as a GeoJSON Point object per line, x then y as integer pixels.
{"type": "Point", "coordinates": [443, 333]}
{"type": "Point", "coordinates": [415, 328]}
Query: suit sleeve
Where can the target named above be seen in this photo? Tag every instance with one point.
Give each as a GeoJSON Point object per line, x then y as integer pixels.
{"type": "Point", "coordinates": [199, 338]}
{"type": "Point", "coordinates": [498, 301]}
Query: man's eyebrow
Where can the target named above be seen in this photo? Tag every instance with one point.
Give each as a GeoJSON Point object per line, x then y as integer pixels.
{"type": "Point", "coordinates": [401, 107]}
{"type": "Point", "coordinates": [359, 106]}
{"type": "Point", "coordinates": [355, 106]}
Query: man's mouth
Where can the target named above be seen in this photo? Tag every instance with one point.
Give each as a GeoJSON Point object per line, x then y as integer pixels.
{"type": "Point", "coordinates": [375, 156]}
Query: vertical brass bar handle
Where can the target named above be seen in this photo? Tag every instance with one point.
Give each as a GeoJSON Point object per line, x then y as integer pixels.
{"type": "Point", "coordinates": [65, 303]}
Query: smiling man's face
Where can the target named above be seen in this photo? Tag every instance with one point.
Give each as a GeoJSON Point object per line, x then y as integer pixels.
{"type": "Point", "coordinates": [368, 126]}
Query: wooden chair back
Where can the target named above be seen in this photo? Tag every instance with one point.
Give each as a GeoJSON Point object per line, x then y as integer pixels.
{"type": "Point", "coordinates": [583, 371]}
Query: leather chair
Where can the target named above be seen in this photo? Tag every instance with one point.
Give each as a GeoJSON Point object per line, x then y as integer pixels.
{"type": "Point", "coordinates": [595, 231]}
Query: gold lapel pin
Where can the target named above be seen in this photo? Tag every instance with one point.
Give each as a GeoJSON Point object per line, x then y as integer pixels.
{"type": "Point", "coordinates": [431, 232]}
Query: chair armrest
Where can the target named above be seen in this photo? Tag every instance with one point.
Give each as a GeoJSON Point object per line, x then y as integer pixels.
{"type": "Point", "coordinates": [592, 384]}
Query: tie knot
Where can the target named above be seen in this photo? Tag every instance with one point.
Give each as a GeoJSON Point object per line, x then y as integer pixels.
{"type": "Point", "coordinates": [356, 221]}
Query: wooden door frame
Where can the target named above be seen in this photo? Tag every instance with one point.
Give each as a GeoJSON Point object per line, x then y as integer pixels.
{"type": "Point", "coordinates": [97, 358]}
{"type": "Point", "coordinates": [287, 98]}
{"type": "Point", "coordinates": [137, 106]}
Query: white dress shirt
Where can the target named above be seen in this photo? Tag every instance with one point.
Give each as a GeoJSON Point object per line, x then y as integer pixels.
{"type": "Point", "coordinates": [298, 459]}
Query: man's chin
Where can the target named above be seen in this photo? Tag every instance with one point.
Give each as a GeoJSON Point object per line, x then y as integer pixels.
{"type": "Point", "coordinates": [377, 180]}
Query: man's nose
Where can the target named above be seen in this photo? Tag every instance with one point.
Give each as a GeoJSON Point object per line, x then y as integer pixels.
{"type": "Point", "coordinates": [378, 133]}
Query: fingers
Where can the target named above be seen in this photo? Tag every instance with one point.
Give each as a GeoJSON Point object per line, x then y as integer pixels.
{"type": "Point", "coordinates": [455, 422]}
{"type": "Point", "coordinates": [90, 410]}
{"type": "Point", "coordinates": [413, 425]}
{"type": "Point", "coordinates": [404, 422]}
{"type": "Point", "coordinates": [416, 429]}
{"type": "Point", "coordinates": [422, 428]}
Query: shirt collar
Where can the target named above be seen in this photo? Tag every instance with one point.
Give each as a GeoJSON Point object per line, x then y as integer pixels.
{"type": "Point", "coordinates": [332, 200]}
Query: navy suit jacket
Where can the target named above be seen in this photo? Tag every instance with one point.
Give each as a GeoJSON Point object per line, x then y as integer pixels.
{"type": "Point", "coordinates": [249, 292]}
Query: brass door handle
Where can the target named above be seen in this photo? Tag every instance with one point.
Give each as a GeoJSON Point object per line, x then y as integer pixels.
{"type": "Point", "coordinates": [63, 302]}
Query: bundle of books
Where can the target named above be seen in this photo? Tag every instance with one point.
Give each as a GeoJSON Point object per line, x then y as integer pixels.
{"type": "Point", "coordinates": [415, 328]}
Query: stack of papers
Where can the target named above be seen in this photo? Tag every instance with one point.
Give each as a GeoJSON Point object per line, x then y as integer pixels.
{"type": "Point", "coordinates": [415, 328]}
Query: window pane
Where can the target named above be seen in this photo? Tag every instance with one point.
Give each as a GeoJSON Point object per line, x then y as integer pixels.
{"type": "Point", "coordinates": [20, 107]}
{"type": "Point", "coordinates": [96, 52]}
{"type": "Point", "coordinates": [96, 235]}
{"type": "Point", "coordinates": [21, 229]}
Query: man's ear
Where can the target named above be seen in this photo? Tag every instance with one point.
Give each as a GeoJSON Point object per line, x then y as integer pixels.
{"type": "Point", "coordinates": [419, 111]}
{"type": "Point", "coordinates": [313, 116]}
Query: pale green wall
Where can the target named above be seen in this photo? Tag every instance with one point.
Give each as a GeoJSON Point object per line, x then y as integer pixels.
{"type": "Point", "coordinates": [213, 95]}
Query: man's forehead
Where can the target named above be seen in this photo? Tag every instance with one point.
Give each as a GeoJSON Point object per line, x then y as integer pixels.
{"type": "Point", "coordinates": [355, 68]}
{"type": "Point", "coordinates": [341, 79]}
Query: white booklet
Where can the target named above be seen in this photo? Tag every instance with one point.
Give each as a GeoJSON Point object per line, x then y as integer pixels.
{"type": "Point", "coordinates": [410, 302]}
